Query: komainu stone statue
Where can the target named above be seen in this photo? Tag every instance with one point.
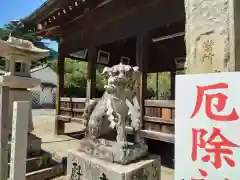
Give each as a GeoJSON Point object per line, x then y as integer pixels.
{"type": "Point", "coordinates": [106, 136]}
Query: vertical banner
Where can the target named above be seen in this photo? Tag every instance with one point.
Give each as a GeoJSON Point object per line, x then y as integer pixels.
{"type": "Point", "coordinates": [207, 127]}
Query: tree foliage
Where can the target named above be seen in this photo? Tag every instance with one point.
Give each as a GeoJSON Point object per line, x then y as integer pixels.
{"type": "Point", "coordinates": [75, 75]}
{"type": "Point", "coordinates": [2, 33]}
{"type": "Point", "coordinates": [16, 30]}
{"type": "Point", "coordinates": [164, 85]}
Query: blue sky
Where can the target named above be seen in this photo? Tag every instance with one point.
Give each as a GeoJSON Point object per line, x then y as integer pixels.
{"type": "Point", "coordinates": [17, 9]}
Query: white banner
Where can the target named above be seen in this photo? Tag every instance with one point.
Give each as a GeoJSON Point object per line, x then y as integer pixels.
{"type": "Point", "coordinates": [207, 127]}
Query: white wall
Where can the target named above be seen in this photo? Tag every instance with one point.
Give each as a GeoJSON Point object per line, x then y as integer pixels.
{"type": "Point", "coordinates": [46, 75]}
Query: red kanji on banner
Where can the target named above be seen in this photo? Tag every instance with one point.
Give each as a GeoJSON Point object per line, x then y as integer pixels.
{"type": "Point", "coordinates": [220, 147]}
{"type": "Point", "coordinates": [222, 99]}
{"type": "Point", "coordinates": [204, 175]}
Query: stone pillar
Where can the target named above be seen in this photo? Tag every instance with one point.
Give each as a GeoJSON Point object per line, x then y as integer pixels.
{"type": "Point", "coordinates": [12, 67]}
{"type": "Point", "coordinates": [211, 36]}
{"type": "Point", "coordinates": [4, 102]}
{"type": "Point", "coordinates": [19, 140]}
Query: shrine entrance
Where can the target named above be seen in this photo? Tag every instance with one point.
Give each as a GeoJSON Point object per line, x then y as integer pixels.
{"type": "Point", "coordinates": [149, 34]}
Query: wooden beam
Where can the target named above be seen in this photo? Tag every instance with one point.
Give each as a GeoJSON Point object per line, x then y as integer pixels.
{"type": "Point", "coordinates": [62, 18]}
{"type": "Point", "coordinates": [159, 136]}
{"type": "Point", "coordinates": [127, 24]}
{"type": "Point", "coordinates": [70, 13]}
{"type": "Point", "coordinates": [160, 103]}
{"type": "Point", "coordinates": [159, 120]}
{"type": "Point", "coordinates": [171, 36]}
{"type": "Point", "coordinates": [148, 18]}
{"type": "Point", "coordinates": [109, 12]}
{"type": "Point", "coordinates": [59, 125]}
{"type": "Point", "coordinates": [74, 100]}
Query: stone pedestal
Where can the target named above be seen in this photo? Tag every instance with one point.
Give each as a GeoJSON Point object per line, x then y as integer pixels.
{"type": "Point", "coordinates": [86, 167]}
{"type": "Point", "coordinates": [112, 152]}
{"type": "Point", "coordinates": [212, 36]}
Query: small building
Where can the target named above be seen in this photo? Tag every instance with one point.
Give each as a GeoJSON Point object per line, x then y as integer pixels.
{"type": "Point", "coordinates": [44, 94]}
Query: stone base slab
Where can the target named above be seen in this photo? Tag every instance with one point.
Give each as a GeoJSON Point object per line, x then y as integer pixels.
{"type": "Point", "coordinates": [86, 167]}
{"type": "Point", "coordinates": [113, 153]}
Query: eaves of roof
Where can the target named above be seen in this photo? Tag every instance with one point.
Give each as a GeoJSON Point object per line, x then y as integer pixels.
{"type": "Point", "coordinates": [45, 10]}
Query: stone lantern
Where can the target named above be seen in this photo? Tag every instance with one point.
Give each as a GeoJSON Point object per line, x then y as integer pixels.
{"type": "Point", "coordinates": [19, 55]}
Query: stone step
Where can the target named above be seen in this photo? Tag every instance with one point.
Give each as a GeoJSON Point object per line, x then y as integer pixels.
{"type": "Point", "coordinates": [33, 148]}
{"type": "Point", "coordinates": [39, 162]}
{"type": "Point", "coordinates": [55, 170]}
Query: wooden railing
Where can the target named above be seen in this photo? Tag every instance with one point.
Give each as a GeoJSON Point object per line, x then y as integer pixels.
{"type": "Point", "coordinates": [71, 109]}
{"type": "Point", "coordinates": [158, 121]}
{"type": "Point", "coordinates": [160, 116]}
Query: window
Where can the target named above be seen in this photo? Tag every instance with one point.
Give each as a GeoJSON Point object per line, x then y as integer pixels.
{"type": "Point", "coordinates": [21, 69]}
{"type": "Point", "coordinates": [125, 60]}
{"type": "Point", "coordinates": [103, 57]}
{"type": "Point", "coordinates": [17, 67]}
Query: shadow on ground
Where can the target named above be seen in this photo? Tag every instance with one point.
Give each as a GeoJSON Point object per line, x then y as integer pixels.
{"type": "Point", "coordinates": [76, 135]}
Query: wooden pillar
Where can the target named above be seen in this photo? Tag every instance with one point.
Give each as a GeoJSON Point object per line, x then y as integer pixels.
{"type": "Point", "coordinates": [142, 57]}
{"type": "Point", "coordinates": [91, 73]}
{"type": "Point", "coordinates": [60, 125]}
{"type": "Point", "coordinates": [173, 74]}
{"type": "Point", "coordinates": [157, 88]}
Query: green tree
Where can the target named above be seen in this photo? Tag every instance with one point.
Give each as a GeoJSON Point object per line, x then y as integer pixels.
{"type": "Point", "coordinates": [75, 77]}
{"type": "Point", "coordinates": [2, 33]}
{"type": "Point", "coordinates": [164, 84]}
{"type": "Point", "coordinates": [16, 30]}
